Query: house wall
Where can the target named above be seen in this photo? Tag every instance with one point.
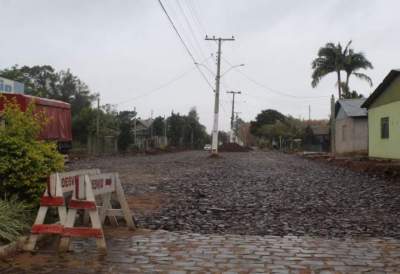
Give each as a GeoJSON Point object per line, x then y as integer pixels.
{"type": "Point", "coordinates": [390, 95]}
{"type": "Point", "coordinates": [384, 148]}
{"type": "Point", "coordinates": [351, 135]}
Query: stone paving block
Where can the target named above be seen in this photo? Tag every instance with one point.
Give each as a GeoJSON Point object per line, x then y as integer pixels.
{"type": "Point", "coordinates": [164, 252]}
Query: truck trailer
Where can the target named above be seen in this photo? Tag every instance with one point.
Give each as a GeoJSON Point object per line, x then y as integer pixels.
{"type": "Point", "coordinates": [58, 128]}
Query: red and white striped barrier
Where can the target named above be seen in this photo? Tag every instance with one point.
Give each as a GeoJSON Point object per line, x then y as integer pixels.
{"type": "Point", "coordinates": [85, 186]}
{"type": "Point", "coordinates": [103, 185]}
{"type": "Point", "coordinates": [59, 184]}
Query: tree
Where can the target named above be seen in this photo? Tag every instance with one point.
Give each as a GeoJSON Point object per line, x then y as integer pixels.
{"type": "Point", "coordinates": [125, 125]}
{"type": "Point", "coordinates": [354, 61]}
{"type": "Point", "coordinates": [158, 126]}
{"type": "Point", "coordinates": [334, 59]}
{"type": "Point", "coordinates": [330, 59]}
{"type": "Point", "coordinates": [186, 130]}
{"type": "Point", "coordinates": [266, 117]}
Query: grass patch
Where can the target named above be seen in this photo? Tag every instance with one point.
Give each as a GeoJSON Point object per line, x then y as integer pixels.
{"type": "Point", "coordinates": [15, 219]}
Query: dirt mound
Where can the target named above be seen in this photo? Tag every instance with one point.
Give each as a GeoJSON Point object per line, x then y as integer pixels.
{"type": "Point", "coordinates": [384, 168]}
{"type": "Point", "coordinates": [233, 147]}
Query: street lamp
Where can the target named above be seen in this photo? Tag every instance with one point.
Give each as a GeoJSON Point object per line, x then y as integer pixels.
{"type": "Point", "coordinates": [232, 67]}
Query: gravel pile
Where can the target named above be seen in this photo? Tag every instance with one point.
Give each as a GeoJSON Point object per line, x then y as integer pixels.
{"type": "Point", "coordinates": [232, 147]}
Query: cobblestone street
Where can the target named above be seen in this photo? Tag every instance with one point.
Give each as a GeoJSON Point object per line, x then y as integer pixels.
{"type": "Point", "coordinates": [180, 253]}
{"type": "Point", "coordinates": [251, 212]}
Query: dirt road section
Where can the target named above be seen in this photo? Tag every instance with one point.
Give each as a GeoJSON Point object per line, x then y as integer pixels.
{"type": "Point", "coordinates": [255, 193]}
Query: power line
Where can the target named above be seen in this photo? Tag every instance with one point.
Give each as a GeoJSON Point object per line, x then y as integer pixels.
{"type": "Point", "coordinates": [196, 41]}
{"type": "Point", "coordinates": [173, 80]}
{"type": "Point", "coordinates": [180, 76]}
{"type": "Point", "coordinates": [184, 44]}
{"type": "Point", "coordinates": [176, 13]}
{"type": "Point", "coordinates": [193, 10]}
{"type": "Point", "coordinates": [273, 90]}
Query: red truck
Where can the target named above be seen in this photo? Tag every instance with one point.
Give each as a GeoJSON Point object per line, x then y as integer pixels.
{"type": "Point", "coordinates": [58, 128]}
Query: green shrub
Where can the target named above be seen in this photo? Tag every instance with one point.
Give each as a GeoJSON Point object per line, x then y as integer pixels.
{"type": "Point", "coordinates": [14, 219]}
{"type": "Point", "coordinates": [25, 161]}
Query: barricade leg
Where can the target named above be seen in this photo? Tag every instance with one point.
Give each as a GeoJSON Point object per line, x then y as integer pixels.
{"type": "Point", "coordinates": [124, 204]}
{"type": "Point", "coordinates": [95, 231]}
{"type": "Point", "coordinates": [106, 202]}
{"type": "Point", "coordinates": [57, 200]}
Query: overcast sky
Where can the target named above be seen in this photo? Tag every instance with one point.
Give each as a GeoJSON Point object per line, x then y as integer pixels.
{"type": "Point", "coordinates": [125, 50]}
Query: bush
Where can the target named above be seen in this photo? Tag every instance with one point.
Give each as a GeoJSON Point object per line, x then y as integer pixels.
{"type": "Point", "coordinates": [25, 161]}
{"type": "Point", "coordinates": [14, 219]}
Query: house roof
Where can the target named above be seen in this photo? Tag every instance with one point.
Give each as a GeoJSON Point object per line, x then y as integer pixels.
{"type": "Point", "coordinates": [382, 87]}
{"type": "Point", "coordinates": [320, 129]}
{"type": "Point", "coordinates": [147, 122]}
{"type": "Point", "coordinates": [352, 107]}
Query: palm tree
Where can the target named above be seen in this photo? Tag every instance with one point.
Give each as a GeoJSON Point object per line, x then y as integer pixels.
{"type": "Point", "coordinates": [331, 58]}
{"type": "Point", "coordinates": [353, 62]}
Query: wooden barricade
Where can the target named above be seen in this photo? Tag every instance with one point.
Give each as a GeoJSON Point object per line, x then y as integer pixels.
{"type": "Point", "coordinates": [103, 186]}
{"type": "Point", "coordinates": [58, 185]}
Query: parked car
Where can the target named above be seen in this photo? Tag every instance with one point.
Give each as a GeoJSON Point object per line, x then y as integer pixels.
{"type": "Point", "coordinates": [58, 113]}
{"type": "Point", "coordinates": [207, 147]}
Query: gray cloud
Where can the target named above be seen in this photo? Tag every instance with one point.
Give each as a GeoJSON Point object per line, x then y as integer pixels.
{"type": "Point", "coordinates": [123, 49]}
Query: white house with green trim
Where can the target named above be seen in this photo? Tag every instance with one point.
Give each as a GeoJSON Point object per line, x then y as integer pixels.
{"type": "Point", "coordinates": [384, 118]}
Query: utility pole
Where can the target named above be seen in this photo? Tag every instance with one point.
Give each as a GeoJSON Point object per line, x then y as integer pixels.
{"type": "Point", "coordinates": [333, 126]}
{"type": "Point", "coordinates": [134, 126]}
{"type": "Point", "coordinates": [98, 125]}
{"type": "Point", "coordinates": [165, 132]}
{"type": "Point", "coordinates": [236, 124]}
{"type": "Point", "coordinates": [151, 124]}
{"type": "Point", "coordinates": [309, 114]}
{"type": "Point", "coordinates": [233, 114]}
{"type": "Point", "coordinates": [214, 146]}
{"type": "Point", "coordinates": [98, 117]}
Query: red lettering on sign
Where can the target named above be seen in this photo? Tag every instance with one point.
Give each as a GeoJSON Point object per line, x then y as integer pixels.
{"type": "Point", "coordinates": [99, 183]}
{"type": "Point", "coordinates": [67, 182]}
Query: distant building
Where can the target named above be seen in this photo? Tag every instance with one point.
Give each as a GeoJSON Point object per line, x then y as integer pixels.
{"type": "Point", "coordinates": [384, 118]}
{"type": "Point", "coordinates": [321, 136]}
{"type": "Point", "coordinates": [144, 135]}
{"type": "Point", "coordinates": [351, 126]}
{"type": "Point", "coordinates": [316, 136]}
{"type": "Point", "coordinates": [10, 86]}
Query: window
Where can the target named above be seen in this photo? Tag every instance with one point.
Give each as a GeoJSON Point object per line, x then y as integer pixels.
{"type": "Point", "coordinates": [385, 127]}
{"type": "Point", "coordinates": [344, 132]}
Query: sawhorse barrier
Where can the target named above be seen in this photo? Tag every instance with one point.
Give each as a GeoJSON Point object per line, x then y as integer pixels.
{"type": "Point", "coordinates": [84, 186]}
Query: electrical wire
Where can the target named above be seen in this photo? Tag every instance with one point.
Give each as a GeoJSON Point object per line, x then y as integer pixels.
{"type": "Point", "coordinates": [270, 89]}
{"type": "Point", "coordinates": [173, 80]}
{"type": "Point", "coordinates": [185, 45]}
{"type": "Point", "coordinates": [196, 41]}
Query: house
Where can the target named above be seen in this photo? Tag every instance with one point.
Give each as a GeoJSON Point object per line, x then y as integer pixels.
{"type": "Point", "coordinates": [145, 136]}
{"type": "Point", "coordinates": [351, 127]}
{"type": "Point", "coordinates": [384, 118]}
{"type": "Point", "coordinates": [316, 136]}
{"type": "Point", "coordinates": [321, 136]}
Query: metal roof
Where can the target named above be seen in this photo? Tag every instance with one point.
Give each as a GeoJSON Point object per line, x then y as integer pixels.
{"type": "Point", "coordinates": [352, 107]}
{"type": "Point", "coordinates": [382, 87]}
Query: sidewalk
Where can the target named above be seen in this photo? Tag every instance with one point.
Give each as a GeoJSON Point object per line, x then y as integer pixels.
{"type": "Point", "coordinates": [181, 253]}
